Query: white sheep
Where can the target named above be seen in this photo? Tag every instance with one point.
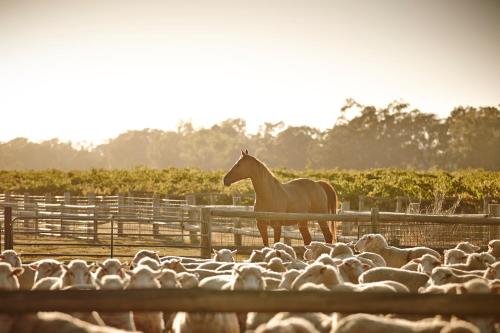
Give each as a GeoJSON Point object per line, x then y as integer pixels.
{"type": "Point", "coordinates": [46, 267]}
{"type": "Point", "coordinates": [287, 248]}
{"type": "Point", "coordinates": [122, 320]}
{"type": "Point", "coordinates": [368, 323]}
{"type": "Point", "coordinates": [326, 259]}
{"type": "Point", "coordinates": [178, 266]}
{"type": "Point", "coordinates": [48, 283]}
{"type": "Point", "coordinates": [224, 255]}
{"type": "Point", "coordinates": [319, 274]}
{"type": "Point", "coordinates": [460, 326]}
{"type": "Point", "coordinates": [351, 268]}
{"type": "Point", "coordinates": [289, 325]}
{"type": "Point", "coordinates": [258, 255]}
{"type": "Point", "coordinates": [447, 288]}
{"type": "Point", "coordinates": [478, 286]}
{"type": "Point", "coordinates": [144, 277]}
{"type": "Point", "coordinates": [274, 253]}
{"type": "Point", "coordinates": [77, 273]}
{"type": "Point", "coordinates": [394, 257]}
{"type": "Point", "coordinates": [476, 261]}
{"type": "Point", "coordinates": [217, 282]}
{"type": "Point", "coordinates": [494, 248]}
{"type": "Point", "coordinates": [376, 258]}
{"type": "Point", "coordinates": [276, 265]}
{"type": "Point", "coordinates": [201, 322]}
{"type": "Point", "coordinates": [315, 249]}
{"type": "Point", "coordinates": [493, 271]}
{"type": "Point", "coordinates": [427, 263]}
{"type": "Point", "coordinates": [8, 276]}
{"type": "Point", "coordinates": [412, 280]}
{"type": "Point", "coordinates": [188, 280]}
{"type": "Point", "coordinates": [112, 266]}
{"type": "Point", "coordinates": [150, 262]}
{"type": "Point", "coordinates": [454, 256]}
{"type": "Point", "coordinates": [288, 278]}
{"type": "Point", "coordinates": [145, 253]}
{"type": "Point", "coordinates": [467, 247]}
{"type": "Point", "coordinates": [27, 278]}
{"type": "Point", "coordinates": [272, 283]}
{"type": "Point", "coordinates": [247, 277]}
{"type": "Point", "coordinates": [320, 321]}
{"type": "Point", "coordinates": [11, 257]}
{"type": "Point", "coordinates": [442, 275]}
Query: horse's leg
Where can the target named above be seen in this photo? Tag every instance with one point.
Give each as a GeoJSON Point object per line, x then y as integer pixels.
{"type": "Point", "coordinates": [333, 230]}
{"type": "Point", "coordinates": [326, 231]}
{"type": "Point", "coordinates": [306, 236]}
{"type": "Point", "coordinates": [262, 226]}
{"type": "Point", "coordinates": [277, 232]}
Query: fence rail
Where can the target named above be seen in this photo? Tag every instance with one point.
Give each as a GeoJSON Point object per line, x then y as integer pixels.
{"type": "Point", "coordinates": [202, 300]}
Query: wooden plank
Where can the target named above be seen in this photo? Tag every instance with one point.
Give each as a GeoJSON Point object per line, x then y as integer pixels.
{"type": "Point", "coordinates": [202, 300]}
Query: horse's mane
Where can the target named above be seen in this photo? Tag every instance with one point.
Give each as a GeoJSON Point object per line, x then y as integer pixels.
{"type": "Point", "coordinates": [263, 168]}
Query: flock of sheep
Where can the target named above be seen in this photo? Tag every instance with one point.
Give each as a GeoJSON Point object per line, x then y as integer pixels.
{"type": "Point", "coordinates": [369, 265]}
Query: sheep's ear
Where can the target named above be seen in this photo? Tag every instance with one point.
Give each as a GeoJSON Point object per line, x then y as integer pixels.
{"type": "Point", "coordinates": [234, 251]}
{"type": "Point", "coordinates": [124, 265]}
{"type": "Point", "coordinates": [2, 257]}
{"type": "Point", "coordinates": [33, 266]}
{"type": "Point", "coordinates": [366, 267]}
{"type": "Point", "coordinates": [417, 260]}
{"type": "Point", "coordinates": [93, 266]}
{"type": "Point", "coordinates": [101, 265]}
{"type": "Point", "coordinates": [17, 271]}
{"type": "Point", "coordinates": [461, 290]}
{"type": "Point", "coordinates": [322, 269]}
{"type": "Point", "coordinates": [98, 283]}
{"type": "Point", "coordinates": [308, 247]}
{"type": "Point", "coordinates": [214, 251]}
{"type": "Point", "coordinates": [64, 266]}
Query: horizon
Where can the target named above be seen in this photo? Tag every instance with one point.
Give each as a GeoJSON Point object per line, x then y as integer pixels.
{"type": "Point", "coordinates": [87, 71]}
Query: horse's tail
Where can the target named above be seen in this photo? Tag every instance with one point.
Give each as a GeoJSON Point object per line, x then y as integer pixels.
{"type": "Point", "coordinates": [332, 205]}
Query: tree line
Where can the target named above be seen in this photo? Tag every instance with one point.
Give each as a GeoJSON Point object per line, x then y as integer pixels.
{"type": "Point", "coordinates": [394, 136]}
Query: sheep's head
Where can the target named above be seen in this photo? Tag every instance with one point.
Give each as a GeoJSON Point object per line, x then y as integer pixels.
{"type": "Point", "coordinates": [257, 256]}
{"type": "Point", "coordinates": [474, 286]}
{"type": "Point", "coordinates": [454, 256]}
{"type": "Point", "coordinates": [276, 265]}
{"type": "Point", "coordinates": [11, 257]}
{"type": "Point", "coordinates": [46, 268]}
{"type": "Point", "coordinates": [248, 278]}
{"type": "Point", "coordinates": [144, 277]}
{"type": "Point", "coordinates": [288, 249]}
{"type": "Point", "coordinates": [319, 274]}
{"type": "Point", "coordinates": [278, 254]}
{"type": "Point", "coordinates": [8, 276]}
{"type": "Point", "coordinates": [145, 253]}
{"type": "Point", "coordinates": [77, 273]}
{"type": "Point", "coordinates": [111, 282]}
{"type": "Point", "coordinates": [441, 275]}
{"type": "Point", "coordinates": [150, 262]}
{"type": "Point", "coordinates": [427, 263]}
{"type": "Point", "coordinates": [288, 278]}
{"type": "Point", "coordinates": [224, 255]}
{"type": "Point", "coordinates": [354, 268]}
{"type": "Point", "coordinates": [467, 247]}
{"type": "Point", "coordinates": [493, 271]}
{"type": "Point", "coordinates": [168, 279]}
{"type": "Point", "coordinates": [174, 264]}
{"type": "Point", "coordinates": [494, 248]}
{"type": "Point", "coordinates": [112, 267]}
{"type": "Point", "coordinates": [325, 259]}
{"type": "Point", "coordinates": [340, 249]}
{"type": "Point", "coordinates": [188, 280]}
{"type": "Point", "coordinates": [315, 249]}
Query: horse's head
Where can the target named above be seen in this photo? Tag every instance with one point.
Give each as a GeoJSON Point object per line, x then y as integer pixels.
{"type": "Point", "coordinates": [244, 168]}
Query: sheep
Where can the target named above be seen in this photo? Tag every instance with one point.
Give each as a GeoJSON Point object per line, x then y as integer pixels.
{"type": "Point", "coordinates": [447, 288]}
{"type": "Point", "coordinates": [320, 321]}
{"type": "Point", "coordinates": [77, 272]}
{"type": "Point", "coordinates": [255, 319]}
{"type": "Point", "coordinates": [46, 267]}
{"type": "Point", "coordinates": [276, 265]}
{"type": "Point", "coordinates": [289, 325]}
{"type": "Point", "coordinates": [287, 248]}
{"type": "Point", "coordinates": [394, 257]}
{"type": "Point", "coordinates": [168, 280]}
{"type": "Point", "coordinates": [315, 249]}
{"type": "Point", "coordinates": [48, 283]}
{"type": "Point", "coordinates": [343, 251]}
{"type": "Point", "coordinates": [111, 267]}
{"type": "Point", "coordinates": [351, 268]}
{"type": "Point", "coordinates": [442, 275]}
{"type": "Point", "coordinates": [367, 323]}
{"type": "Point", "coordinates": [493, 271]}
{"type": "Point", "coordinates": [413, 280]}
{"type": "Point", "coordinates": [122, 320]}
{"type": "Point", "coordinates": [460, 326]}
{"type": "Point", "coordinates": [150, 262]}
{"type": "Point", "coordinates": [381, 286]}
{"type": "Point", "coordinates": [272, 283]}
{"type": "Point", "coordinates": [258, 255]}
{"type": "Point", "coordinates": [426, 263]}
{"type": "Point", "coordinates": [278, 254]}
{"type": "Point", "coordinates": [187, 280]}
{"type": "Point", "coordinates": [410, 266]}
{"type": "Point", "coordinates": [319, 274]}
{"type": "Point", "coordinates": [199, 322]}
{"type": "Point", "coordinates": [288, 278]}
{"type": "Point", "coordinates": [476, 261]}
{"type": "Point", "coordinates": [467, 247]}
{"type": "Point", "coordinates": [454, 256]}
{"type": "Point", "coordinates": [224, 255]}
{"type": "Point", "coordinates": [295, 264]}
{"type": "Point", "coordinates": [478, 286]}
{"type": "Point", "coordinates": [48, 322]}
{"type": "Point", "coordinates": [217, 282]}
{"type": "Point", "coordinates": [376, 258]}
{"type": "Point", "coordinates": [178, 267]}
{"type": "Point", "coordinates": [144, 253]}
{"type": "Point", "coordinates": [11, 257]}
{"type": "Point", "coordinates": [494, 248]}
{"type": "Point", "coordinates": [145, 277]}
{"type": "Point", "coordinates": [326, 259]}
{"type": "Point", "coordinates": [8, 276]}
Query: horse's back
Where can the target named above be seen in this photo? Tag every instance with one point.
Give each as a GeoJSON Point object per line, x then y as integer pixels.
{"type": "Point", "coordinates": [306, 195]}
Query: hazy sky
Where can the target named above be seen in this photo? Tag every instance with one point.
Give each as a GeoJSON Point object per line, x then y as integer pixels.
{"type": "Point", "coordinates": [88, 70]}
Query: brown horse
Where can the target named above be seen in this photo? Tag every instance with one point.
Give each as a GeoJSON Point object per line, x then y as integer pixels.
{"type": "Point", "coordinates": [297, 196]}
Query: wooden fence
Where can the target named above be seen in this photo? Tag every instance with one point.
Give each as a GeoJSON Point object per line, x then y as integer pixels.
{"type": "Point", "coordinates": [203, 300]}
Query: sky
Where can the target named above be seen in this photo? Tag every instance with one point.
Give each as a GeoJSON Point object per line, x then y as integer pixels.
{"type": "Point", "coordinates": [88, 70]}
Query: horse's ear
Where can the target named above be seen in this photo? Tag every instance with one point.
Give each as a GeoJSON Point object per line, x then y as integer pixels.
{"type": "Point", "coordinates": [246, 151]}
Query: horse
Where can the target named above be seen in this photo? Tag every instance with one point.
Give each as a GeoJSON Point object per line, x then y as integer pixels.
{"type": "Point", "coordinates": [299, 195]}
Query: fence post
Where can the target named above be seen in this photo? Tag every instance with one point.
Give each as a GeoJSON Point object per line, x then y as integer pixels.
{"type": "Point", "coordinates": [91, 200]}
{"type": "Point", "coordinates": [374, 219]}
{"type": "Point", "coordinates": [237, 221]}
{"type": "Point", "coordinates": [191, 201]}
{"type": "Point", "coordinates": [361, 205]}
{"type": "Point", "coordinates": [494, 210]}
{"type": "Point", "coordinates": [64, 210]}
{"type": "Point", "coordinates": [414, 208]}
{"type": "Point", "coordinates": [399, 204]}
{"type": "Point", "coordinates": [346, 226]}
{"type": "Point", "coordinates": [486, 202]}
{"type": "Point", "coordinates": [121, 202]}
{"type": "Point", "coordinates": [7, 227]}
{"type": "Point", "coordinates": [156, 214]}
{"type": "Point", "coordinates": [26, 203]}
{"type": "Point", "coordinates": [206, 232]}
